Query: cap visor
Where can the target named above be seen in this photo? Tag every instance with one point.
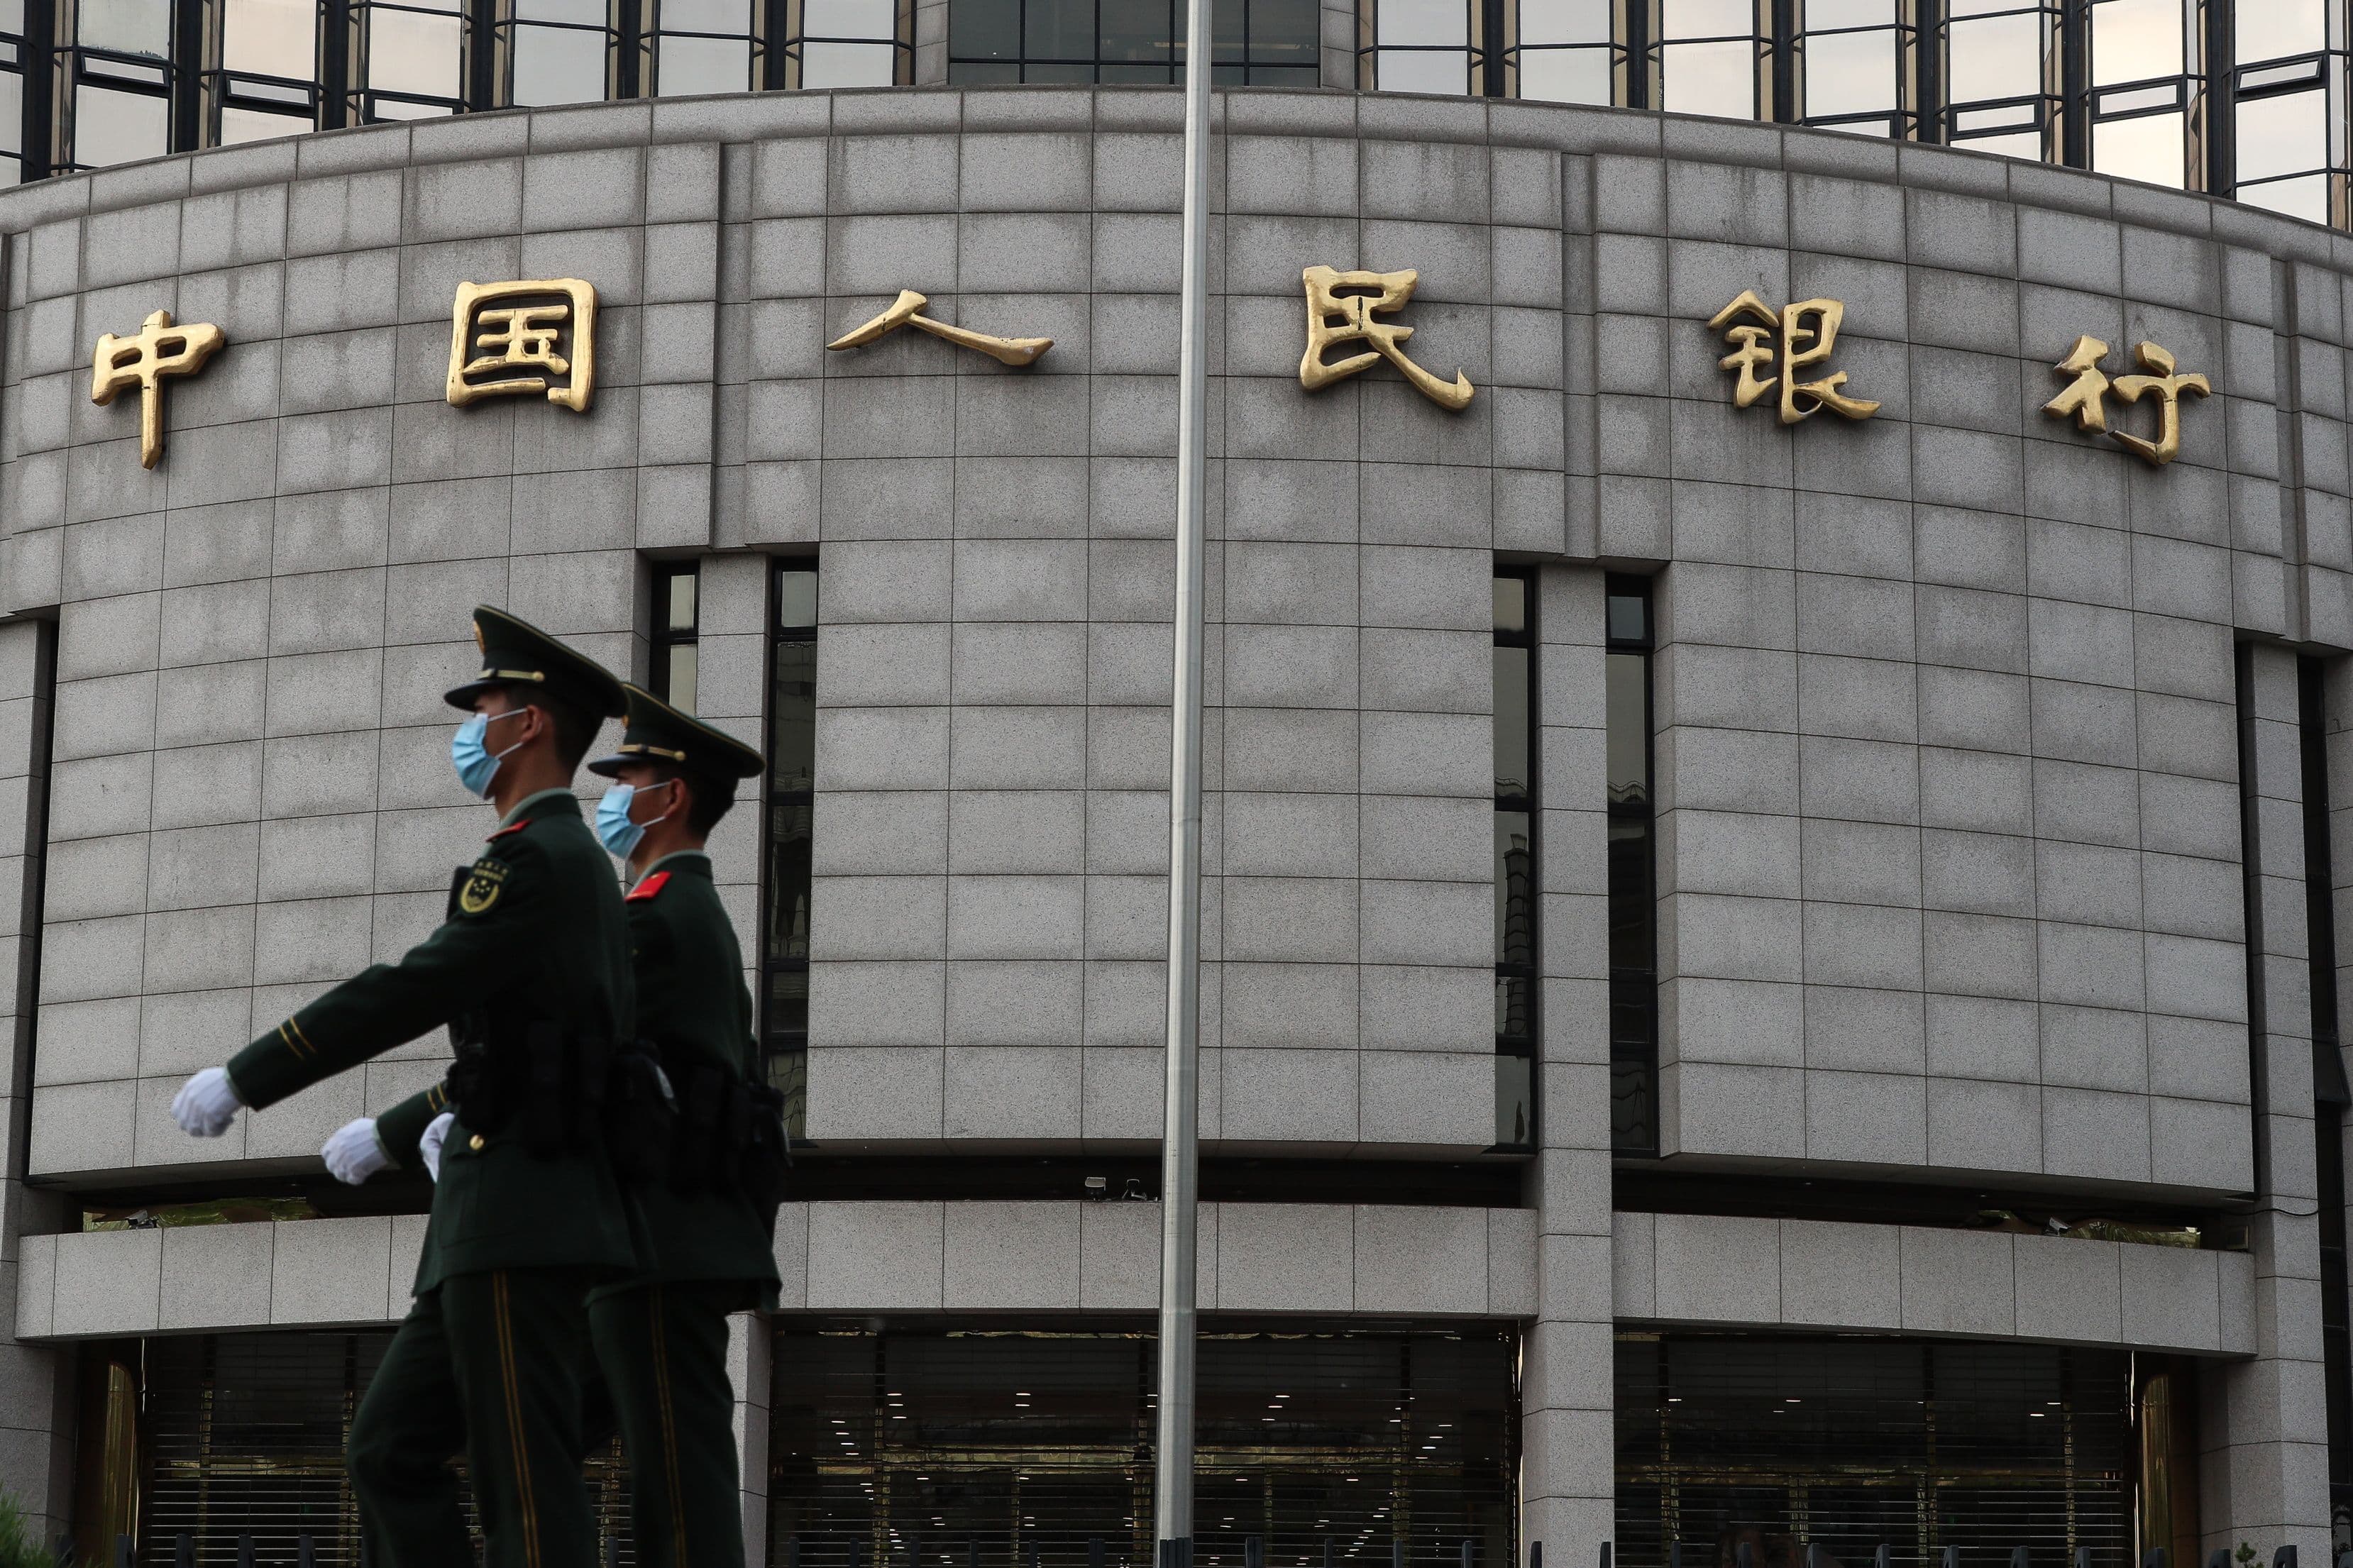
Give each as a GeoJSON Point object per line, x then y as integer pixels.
{"type": "Point", "coordinates": [610, 767]}
{"type": "Point", "coordinates": [463, 696]}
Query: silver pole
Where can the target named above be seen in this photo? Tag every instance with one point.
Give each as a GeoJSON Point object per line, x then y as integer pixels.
{"type": "Point", "coordinates": [1180, 1139]}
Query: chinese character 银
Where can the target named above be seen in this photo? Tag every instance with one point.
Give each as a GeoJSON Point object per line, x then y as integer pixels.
{"type": "Point", "coordinates": [532, 334]}
{"type": "Point", "coordinates": [2085, 398]}
{"type": "Point", "coordinates": [157, 350]}
{"type": "Point", "coordinates": [906, 310]}
{"type": "Point", "coordinates": [1356, 324]}
{"type": "Point", "coordinates": [1786, 343]}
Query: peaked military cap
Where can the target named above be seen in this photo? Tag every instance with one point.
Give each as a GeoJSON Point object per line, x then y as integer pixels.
{"type": "Point", "coordinates": [658, 733]}
{"type": "Point", "coordinates": [516, 653]}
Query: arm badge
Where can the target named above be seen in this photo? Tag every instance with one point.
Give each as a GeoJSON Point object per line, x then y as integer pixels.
{"type": "Point", "coordinates": [481, 886]}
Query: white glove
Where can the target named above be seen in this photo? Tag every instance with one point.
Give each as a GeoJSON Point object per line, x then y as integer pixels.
{"type": "Point", "coordinates": [206, 1104]}
{"type": "Point", "coordinates": [353, 1151]}
{"type": "Point", "coordinates": [429, 1143]}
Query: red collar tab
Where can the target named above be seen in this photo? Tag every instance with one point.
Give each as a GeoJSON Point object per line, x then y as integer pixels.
{"type": "Point", "coordinates": [510, 827]}
{"type": "Point", "coordinates": [648, 888]}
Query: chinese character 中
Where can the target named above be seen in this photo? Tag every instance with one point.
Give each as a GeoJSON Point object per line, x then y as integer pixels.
{"type": "Point", "coordinates": [2085, 398]}
{"type": "Point", "coordinates": [533, 335]}
{"type": "Point", "coordinates": [159, 349]}
{"type": "Point", "coordinates": [1807, 331]}
{"type": "Point", "coordinates": [906, 310]}
{"type": "Point", "coordinates": [1356, 324]}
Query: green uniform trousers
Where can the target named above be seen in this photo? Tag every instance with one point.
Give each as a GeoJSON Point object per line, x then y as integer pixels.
{"type": "Point", "coordinates": [662, 1349]}
{"type": "Point", "coordinates": [489, 1364]}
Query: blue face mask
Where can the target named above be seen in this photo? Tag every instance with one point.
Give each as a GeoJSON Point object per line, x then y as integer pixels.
{"type": "Point", "coordinates": [474, 760]}
{"type": "Point", "coordinates": [613, 824]}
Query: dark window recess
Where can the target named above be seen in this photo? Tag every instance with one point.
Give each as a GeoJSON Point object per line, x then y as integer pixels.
{"type": "Point", "coordinates": [677, 632]}
{"type": "Point", "coordinates": [1633, 883]}
{"type": "Point", "coordinates": [2330, 1093]}
{"type": "Point", "coordinates": [1777, 1444]}
{"type": "Point", "coordinates": [1256, 43]}
{"type": "Point", "coordinates": [941, 1448]}
{"type": "Point", "coordinates": [792, 782]}
{"type": "Point", "coordinates": [1481, 1182]}
{"type": "Point", "coordinates": [1516, 888]}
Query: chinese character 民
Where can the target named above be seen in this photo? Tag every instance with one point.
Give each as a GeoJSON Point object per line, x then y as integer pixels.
{"type": "Point", "coordinates": [906, 310]}
{"type": "Point", "coordinates": [2085, 398]}
{"type": "Point", "coordinates": [533, 335]}
{"type": "Point", "coordinates": [1356, 324]}
{"type": "Point", "coordinates": [159, 349]}
{"type": "Point", "coordinates": [1807, 331]}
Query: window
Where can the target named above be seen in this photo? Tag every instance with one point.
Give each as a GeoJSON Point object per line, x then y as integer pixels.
{"type": "Point", "coordinates": [1516, 888]}
{"type": "Point", "coordinates": [676, 611]}
{"type": "Point", "coordinates": [558, 51]}
{"type": "Point", "coordinates": [14, 56]}
{"type": "Point", "coordinates": [1851, 60]}
{"type": "Point", "coordinates": [411, 59]}
{"type": "Point", "coordinates": [2288, 108]}
{"type": "Point", "coordinates": [1258, 43]}
{"type": "Point", "coordinates": [267, 83]}
{"type": "Point", "coordinates": [792, 781]}
{"type": "Point", "coordinates": [700, 46]}
{"type": "Point", "coordinates": [2330, 1092]}
{"type": "Point", "coordinates": [1709, 53]}
{"type": "Point", "coordinates": [847, 43]}
{"type": "Point", "coordinates": [1566, 51]}
{"type": "Point", "coordinates": [1426, 46]}
{"type": "Point", "coordinates": [1999, 66]}
{"type": "Point", "coordinates": [1633, 888]}
{"type": "Point", "coordinates": [117, 77]}
{"type": "Point", "coordinates": [2144, 89]}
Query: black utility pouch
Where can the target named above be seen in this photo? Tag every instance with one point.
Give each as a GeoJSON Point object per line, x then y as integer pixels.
{"type": "Point", "coordinates": [640, 1116]}
{"type": "Point", "coordinates": [545, 1113]}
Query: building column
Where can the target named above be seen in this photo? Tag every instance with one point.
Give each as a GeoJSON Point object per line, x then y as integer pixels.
{"type": "Point", "coordinates": [1568, 1468]}
{"type": "Point", "coordinates": [2264, 1424]}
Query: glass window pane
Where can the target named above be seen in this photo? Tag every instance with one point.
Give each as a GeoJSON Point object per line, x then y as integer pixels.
{"type": "Point", "coordinates": [1706, 18]}
{"type": "Point", "coordinates": [851, 19]}
{"type": "Point", "coordinates": [679, 608]}
{"type": "Point", "coordinates": [679, 690]}
{"type": "Point", "coordinates": [1136, 30]}
{"type": "Point", "coordinates": [2026, 144]}
{"type": "Point", "coordinates": [706, 17]}
{"type": "Point", "coordinates": [1710, 78]}
{"type": "Point", "coordinates": [558, 65]}
{"type": "Point", "coordinates": [2306, 196]}
{"type": "Point", "coordinates": [1629, 746]}
{"type": "Point", "coordinates": [1850, 73]}
{"type": "Point", "coordinates": [1059, 30]}
{"type": "Point", "coordinates": [112, 127]}
{"type": "Point", "coordinates": [2266, 29]}
{"type": "Point", "coordinates": [1436, 70]}
{"type": "Point", "coordinates": [1515, 889]}
{"type": "Point", "coordinates": [581, 12]}
{"type": "Point", "coordinates": [793, 761]}
{"type": "Point", "coordinates": [1564, 22]}
{"type": "Point", "coordinates": [271, 37]}
{"type": "Point", "coordinates": [1513, 1097]}
{"type": "Point", "coordinates": [1566, 76]}
{"type": "Point", "coordinates": [1996, 56]}
{"type": "Point", "coordinates": [126, 26]}
{"type": "Point", "coordinates": [12, 18]}
{"type": "Point", "coordinates": [2283, 135]}
{"type": "Point", "coordinates": [12, 120]}
{"type": "Point", "coordinates": [982, 29]}
{"type": "Point", "coordinates": [1279, 26]}
{"type": "Point", "coordinates": [2133, 40]}
{"type": "Point", "coordinates": [1819, 14]}
{"type": "Point", "coordinates": [1511, 604]}
{"type": "Point", "coordinates": [1511, 721]}
{"type": "Point", "coordinates": [847, 65]}
{"type": "Point", "coordinates": [1630, 618]}
{"type": "Point", "coordinates": [413, 51]}
{"type": "Point", "coordinates": [788, 903]}
{"type": "Point", "coordinates": [684, 66]}
{"type": "Point", "coordinates": [795, 598]}
{"type": "Point", "coordinates": [401, 109]}
{"type": "Point", "coordinates": [1445, 22]}
{"type": "Point", "coordinates": [2146, 148]}
{"type": "Point", "coordinates": [252, 125]}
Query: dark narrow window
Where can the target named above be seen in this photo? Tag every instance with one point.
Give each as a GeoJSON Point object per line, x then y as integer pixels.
{"type": "Point", "coordinates": [677, 612]}
{"type": "Point", "coordinates": [792, 780]}
{"type": "Point", "coordinates": [1633, 893]}
{"type": "Point", "coordinates": [1516, 887]}
{"type": "Point", "coordinates": [2329, 1091]}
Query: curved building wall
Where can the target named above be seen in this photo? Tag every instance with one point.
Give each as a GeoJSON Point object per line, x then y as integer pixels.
{"type": "Point", "coordinates": [1950, 715]}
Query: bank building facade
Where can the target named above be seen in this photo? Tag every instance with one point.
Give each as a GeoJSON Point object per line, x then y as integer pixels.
{"type": "Point", "coordinates": [1780, 663]}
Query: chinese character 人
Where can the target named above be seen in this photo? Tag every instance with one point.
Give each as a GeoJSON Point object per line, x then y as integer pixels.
{"type": "Point", "coordinates": [533, 335]}
{"type": "Point", "coordinates": [1354, 312]}
{"type": "Point", "coordinates": [906, 310]}
{"type": "Point", "coordinates": [157, 350]}
{"type": "Point", "coordinates": [1806, 332]}
{"type": "Point", "coordinates": [2085, 398]}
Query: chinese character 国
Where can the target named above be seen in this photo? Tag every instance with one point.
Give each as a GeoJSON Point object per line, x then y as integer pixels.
{"type": "Point", "coordinates": [2085, 398]}
{"type": "Point", "coordinates": [157, 350]}
{"type": "Point", "coordinates": [533, 335]}
{"type": "Point", "coordinates": [906, 310]}
{"type": "Point", "coordinates": [1356, 324]}
{"type": "Point", "coordinates": [1806, 331]}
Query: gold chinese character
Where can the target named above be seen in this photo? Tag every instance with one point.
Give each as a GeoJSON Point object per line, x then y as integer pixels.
{"type": "Point", "coordinates": [2085, 398]}
{"type": "Point", "coordinates": [160, 349]}
{"type": "Point", "coordinates": [1356, 324]}
{"type": "Point", "coordinates": [1808, 332]}
{"type": "Point", "coordinates": [906, 311]}
{"type": "Point", "coordinates": [544, 341]}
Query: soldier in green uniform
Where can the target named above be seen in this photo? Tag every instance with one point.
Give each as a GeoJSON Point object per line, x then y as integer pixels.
{"type": "Point", "coordinates": [530, 971]}
{"type": "Point", "coordinates": [661, 1337]}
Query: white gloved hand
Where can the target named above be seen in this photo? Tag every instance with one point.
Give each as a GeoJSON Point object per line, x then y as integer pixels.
{"type": "Point", "coordinates": [429, 1143]}
{"type": "Point", "coordinates": [353, 1151]}
{"type": "Point", "coordinates": [206, 1104]}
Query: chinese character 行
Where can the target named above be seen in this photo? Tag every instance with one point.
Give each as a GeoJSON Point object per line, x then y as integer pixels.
{"type": "Point", "coordinates": [532, 334]}
{"type": "Point", "coordinates": [906, 310]}
{"type": "Point", "coordinates": [158, 349]}
{"type": "Point", "coordinates": [2085, 398]}
{"type": "Point", "coordinates": [1808, 332]}
{"type": "Point", "coordinates": [1356, 324]}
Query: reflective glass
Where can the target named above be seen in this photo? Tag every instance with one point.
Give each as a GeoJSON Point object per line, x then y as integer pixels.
{"type": "Point", "coordinates": [1710, 78]}
{"type": "Point", "coordinates": [271, 37]}
{"type": "Point", "coordinates": [582, 12]}
{"type": "Point", "coordinates": [112, 127]}
{"type": "Point", "coordinates": [1625, 685]}
{"type": "Point", "coordinates": [682, 664]}
{"type": "Point", "coordinates": [1515, 889]}
{"type": "Point", "coordinates": [1445, 22]}
{"type": "Point", "coordinates": [1850, 73]}
{"type": "Point", "coordinates": [685, 66]}
{"type": "Point", "coordinates": [795, 598]}
{"type": "Point", "coordinates": [1566, 76]}
{"type": "Point", "coordinates": [788, 899]}
{"type": "Point", "coordinates": [981, 29]}
{"type": "Point", "coordinates": [125, 27]}
{"type": "Point", "coordinates": [1996, 56]}
{"type": "Point", "coordinates": [1630, 618]}
{"type": "Point", "coordinates": [1511, 720]}
{"type": "Point", "coordinates": [849, 19]}
{"type": "Point", "coordinates": [1706, 18]}
{"type": "Point", "coordinates": [2306, 196]}
{"type": "Point", "coordinates": [2148, 147]}
{"type": "Point", "coordinates": [2026, 144]}
{"type": "Point", "coordinates": [413, 51]}
{"type": "Point", "coordinates": [2133, 40]}
{"type": "Point", "coordinates": [1511, 604]}
{"type": "Point", "coordinates": [12, 16]}
{"type": "Point", "coordinates": [12, 122]}
{"type": "Point", "coordinates": [1564, 22]}
{"type": "Point", "coordinates": [678, 606]}
{"type": "Point", "coordinates": [558, 65]}
{"type": "Point", "coordinates": [2285, 135]}
{"type": "Point", "coordinates": [1514, 1097]}
{"type": "Point", "coordinates": [706, 17]}
{"type": "Point", "coordinates": [1817, 15]}
{"type": "Point", "coordinates": [1279, 28]}
{"type": "Point", "coordinates": [792, 765]}
{"type": "Point", "coordinates": [1059, 30]}
{"type": "Point", "coordinates": [2267, 29]}
{"type": "Point", "coordinates": [1437, 70]}
{"type": "Point", "coordinates": [401, 109]}
{"type": "Point", "coordinates": [254, 125]}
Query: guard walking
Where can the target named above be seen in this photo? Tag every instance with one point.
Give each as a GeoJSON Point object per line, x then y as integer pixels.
{"type": "Point", "coordinates": [530, 971]}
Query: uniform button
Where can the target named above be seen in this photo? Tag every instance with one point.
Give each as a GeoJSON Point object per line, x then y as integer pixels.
{"type": "Point", "coordinates": [475, 1142]}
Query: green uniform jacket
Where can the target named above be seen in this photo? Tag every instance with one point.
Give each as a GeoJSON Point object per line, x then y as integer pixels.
{"type": "Point", "coordinates": [535, 931]}
{"type": "Point", "coordinates": [693, 1004]}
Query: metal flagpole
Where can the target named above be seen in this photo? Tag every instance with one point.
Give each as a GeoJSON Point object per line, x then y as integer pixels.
{"type": "Point", "coordinates": [1180, 1150]}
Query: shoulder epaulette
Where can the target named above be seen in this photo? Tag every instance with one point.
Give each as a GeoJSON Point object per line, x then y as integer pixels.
{"type": "Point", "coordinates": [510, 827]}
{"type": "Point", "coordinates": [648, 888]}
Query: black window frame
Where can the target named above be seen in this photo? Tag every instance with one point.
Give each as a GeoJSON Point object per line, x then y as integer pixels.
{"type": "Point", "coordinates": [666, 635]}
{"type": "Point", "coordinates": [1519, 978]}
{"type": "Point", "coordinates": [783, 1044]}
{"type": "Point", "coordinates": [1633, 887]}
